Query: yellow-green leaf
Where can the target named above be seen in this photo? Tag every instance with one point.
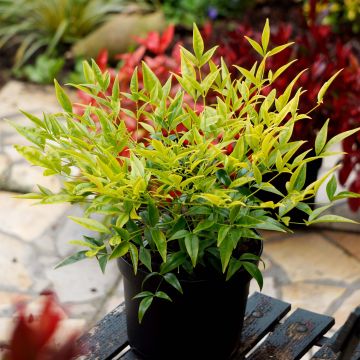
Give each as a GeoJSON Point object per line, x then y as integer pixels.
{"type": "Point", "coordinates": [90, 224]}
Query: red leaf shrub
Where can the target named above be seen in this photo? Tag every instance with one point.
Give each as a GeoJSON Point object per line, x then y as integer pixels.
{"type": "Point", "coordinates": [31, 338]}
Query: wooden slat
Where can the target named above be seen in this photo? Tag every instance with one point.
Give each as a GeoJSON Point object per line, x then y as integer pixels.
{"type": "Point", "coordinates": [262, 314]}
{"type": "Point", "coordinates": [326, 352]}
{"type": "Point", "coordinates": [291, 340]}
{"type": "Point", "coordinates": [107, 338]}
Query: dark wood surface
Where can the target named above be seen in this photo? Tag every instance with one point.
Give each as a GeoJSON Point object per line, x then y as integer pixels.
{"type": "Point", "coordinates": [287, 339]}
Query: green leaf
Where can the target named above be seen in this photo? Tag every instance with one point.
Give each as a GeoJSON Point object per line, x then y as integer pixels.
{"type": "Point", "coordinates": [297, 179]}
{"type": "Point", "coordinates": [314, 214]}
{"type": "Point", "coordinates": [153, 213]}
{"type": "Point", "coordinates": [325, 86]}
{"type": "Point", "coordinates": [144, 306]}
{"type": "Point", "coordinates": [192, 247]}
{"type": "Point", "coordinates": [149, 78]}
{"type": "Point", "coordinates": [145, 257]}
{"type": "Point", "coordinates": [257, 174]}
{"type": "Point", "coordinates": [223, 176]}
{"type": "Point", "coordinates": [143, 294]}
{"type": "Point", "coordinates": [226, 249]}
{"type": "Point", "coordinates": [179, 235]}
{"type": "Point", "coordinates": [331, 188]}
{"type": "Point", "coordinates": [223, 231]}
{"type": "Point", "coordinates": [120, 250]}
{"type": "Point", "coordinates": [81, 255]}
{"type": "Point", "coordinates": [90, 224]}
{"type": "Point", "coordinates": [337, 138]}
{"type": "Point", "coordinates": [134, 255]}
{"type": "Point", "coordinates": [173, 261]}
{"type": "Point", "coordinates": [233, 267]}
{"type": "Point", "coordinates": [62, 97]}
{"type": "Point", "coordinates": [278, 49]}
{"type": "Point", "coordinates": [255, 45]}
{"type": "Point", "coordinates": [331, 219]}
{"type": "Point", "coordinates": [198, 43]}
{"type": "Point", "coordinates": [103, 259]}
{"type": "Point", "coordinates": [38, 122]}
{"type": "Point", "coordinates": [160, 242]}
{"type": "Point", "coordinates": [207, 56]}
{"type": "Point", "coordinates": [199, 210]}
{"type": "Point", "coordinates": [254, 271]}
{"type": "Point", "coordinates": [203, 225]}
{"type": "Point", "coordinates": [281, 69]}
{"type": "Point", "coordinates": [321, 138]}
{"type": "Point", "coordinates": [248, 75]}
{"type": "Point", "coordinates": [173, 281]}
{"type": "Point", "coordinates": [162, 295]}
{"type": "Point", "coordinates": [265, 37]}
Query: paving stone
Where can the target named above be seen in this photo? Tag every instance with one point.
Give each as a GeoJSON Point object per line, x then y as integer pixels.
{"type": "Point", "coordinates": [8, 300]}
{"type": "Point", "coordinates": [117, 297]}
{"type": "Point", "coordinates": [6, 326]}
{"type": "Point", "coordinates": [19, 217]}
{"type": "Point", "coordinates": [17, 95]}
{"type": "Point", "coordinates": [346, 308]}
{"type": "Point", "coordinates": [14, 258]}
{"type": "Point", "coordinates": [269, 287]}
{"type": "Point", "coordinates": [25, 178]}
{"type": "Point", "coordinates": [70, 231]}
{"type": "Point", "coordinates": [13, 155]}
{"type": "Point", "coordinates": [313, 297]}
{"type": "Point", "coordinates": [84, 311]}
{"type": "Point", "coordinates": [46, 244]}
{"type": "Point", "coordinates": [349, 241]}
{"type": "Point", "coordinates": [311, 257]}
{"type": "Point", "coordinates": [4, 169]}
{"type": "Point", "coordinates": [82, 281]}
{"type": "Point", "coordinates": [68, 328]}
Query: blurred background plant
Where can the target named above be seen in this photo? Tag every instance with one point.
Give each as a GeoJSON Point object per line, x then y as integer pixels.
{"type": "Point", "coordinates": [50, 26]}
{"type": "Point", "coordinates": [33, 336]}
{"type": "Point", "coordinates": [342, 15]}
{"type": "Point", "coordinates": [185, 12]}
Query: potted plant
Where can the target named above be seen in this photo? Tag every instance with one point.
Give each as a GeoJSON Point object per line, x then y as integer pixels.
{"type": "Point", "coordinates": [180, 207]}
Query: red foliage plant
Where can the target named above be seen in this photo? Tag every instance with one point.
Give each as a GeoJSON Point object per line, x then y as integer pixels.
{"type": "Point", "coordinates": [31, 338]}
{"type": "Point", "coordinates": [316, 49]}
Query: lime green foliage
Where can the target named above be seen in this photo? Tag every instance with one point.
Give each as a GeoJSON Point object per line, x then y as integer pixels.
{"type": "Point", "coordinates": [186, 197]}
{"type": "Point", "coordinates": [48, 24]}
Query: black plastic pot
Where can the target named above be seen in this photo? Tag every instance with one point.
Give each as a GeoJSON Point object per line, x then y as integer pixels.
{"type": "Point", "coordinates": [203, 323]}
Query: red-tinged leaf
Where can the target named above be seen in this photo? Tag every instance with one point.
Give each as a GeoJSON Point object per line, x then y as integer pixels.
{"type": "Point", "coordinates": [102, 59]}
{"type": "Point", "coordinates": [166, 38]}
{"type": "Point", "coordinates": [48, 321]}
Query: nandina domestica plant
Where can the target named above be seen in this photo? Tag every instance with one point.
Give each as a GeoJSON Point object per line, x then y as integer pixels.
{"type": "Point", "coordinates": [181, 207]}
{"type": "Point", "coordinates": [314, 50]}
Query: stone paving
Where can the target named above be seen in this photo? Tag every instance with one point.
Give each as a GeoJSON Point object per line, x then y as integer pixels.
{"type": "Point", "coordinates": [317, 269]}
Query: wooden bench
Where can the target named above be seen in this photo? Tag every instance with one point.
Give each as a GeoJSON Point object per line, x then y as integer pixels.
{"type": "Point", "coordinates": [288, 338]}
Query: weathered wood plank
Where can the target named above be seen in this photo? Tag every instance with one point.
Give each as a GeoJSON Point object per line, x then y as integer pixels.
{"type": "Point", "coordinates": [326, 352]}
{"type": "Point", "coordinates": [107, 338]}
{"type": "Point", "coordinates": [262, 314]}
{"type": "Point", "coordinates": [130, 355]}
{"type": "Point", "coordinates": [291, 340]}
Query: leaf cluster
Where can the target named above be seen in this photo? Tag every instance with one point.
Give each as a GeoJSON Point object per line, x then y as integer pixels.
{"type": "Point", "coordinates": [186, 197]}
